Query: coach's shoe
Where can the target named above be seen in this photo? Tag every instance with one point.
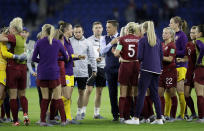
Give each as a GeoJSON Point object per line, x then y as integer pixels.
{"type": "Point", "coordinates": [152, 118]}
{"type": "Point", "coordinates": [98, 117]}
{"type": "Point", "coordinates": [78, 117]}
{"type": "Point", "coordinates": [16, 124]}
{"type": "Point", "coordinates": [158, 121]}
{"type": "Point", "coordinates": [26, 119]}
{"type": "Point", "coordinates": [132, 121]}
{"type": "Point", "coordinates": [45, 124]}
{"type": "Point", "coordinates": [83, 115]}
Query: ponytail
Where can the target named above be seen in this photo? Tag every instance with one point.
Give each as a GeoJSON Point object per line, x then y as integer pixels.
{"type": "Point", "coordinates": [151, 36]}
{"type": "Point", "coordinates": [49, 30]}
{"type": "Point", "coordinates": [122, 31]}
{"type": "Point", "coordinates": [184, 26]}
{"type": "Point", "coordinates": [181, 23]}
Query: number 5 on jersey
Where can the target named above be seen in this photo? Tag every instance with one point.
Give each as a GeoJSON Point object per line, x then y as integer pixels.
{"type": "Point", "coordinates": [131, 50]}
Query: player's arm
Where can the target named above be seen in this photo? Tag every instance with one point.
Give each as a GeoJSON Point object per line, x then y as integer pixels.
{"type": "Point", "coordinates": [5, 52]}
{"type": "Point", "coordinates": [171, 56]}
{"type": "Point", "coordinates": [118, 50]}
{"type": "Point", "coordinates": [3, 38]}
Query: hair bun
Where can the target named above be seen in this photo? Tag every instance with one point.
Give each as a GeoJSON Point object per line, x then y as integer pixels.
{"type": "Point", "coordinates": [61, 22]}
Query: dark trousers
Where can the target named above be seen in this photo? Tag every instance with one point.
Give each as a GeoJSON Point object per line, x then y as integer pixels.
{"type": "Point", "coordinates": [148, 80]}
{"type": "Point", "coordinates": [112, 79]}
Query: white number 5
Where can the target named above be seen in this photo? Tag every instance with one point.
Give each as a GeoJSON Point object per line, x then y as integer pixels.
{"type": "Point", "coordinates": [132, 51]}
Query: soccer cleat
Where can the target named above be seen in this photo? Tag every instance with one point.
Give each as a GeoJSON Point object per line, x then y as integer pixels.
{"type": "Point", "coordinates": [200, 120]}
{"type": "Point", "coordinates": [78, 117]}
{"type": "Point", "coordinates": [38, 122]}
{"type": "Point", "coordinates": [1, 120]}
{"type": "Point", "coordinates": [74, 122]}
{"type": "Point", "coordinates": [45, 124]}
{"type": "Point", "coordinates": [132, 121]}
{"type": "Point", "coordinates": [142, 121]}
{"type": "Point", "coordinates": [16, 124]}
{"type": "Point", "coordinates": [54, 122]}
{"type": "Point", "coordinates": [186, 117]}
{"type": "Point", "coordinates": [98, 117]}
{"type": "Point", "coordinates": [26, 119]}
{"type": "Point", "coordinates": [158, 121]}
{"type": "Point", "coordinates": [152, 118]}
{"type": "Point", "coordinates": [179, 118]}
{"type": "Point", "coordinates": [170, 119]}
{"type": "Point", "coordinates": [57, 118]}
{"type": "Point", "coordinates": [193, 116]}
{"type": "Point", "coordinates": [64, 123]}
{"type": "Point", "coordinates": [122, 120]}
{"type": "Point", "coordinates": [115, 119]}
{"type": "Point", "coordinates": [7, 120]}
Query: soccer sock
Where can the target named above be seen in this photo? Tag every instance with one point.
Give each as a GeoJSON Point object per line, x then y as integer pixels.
{"type": "Point", "coordinates": [2, 111]}
{"type": "Point", "coordinates": [162, 104]}
{"type": "Point", "coordinates": [122, 101]}
{"type": "Point", "coordinates": [44, 107]}
{"type": "Point", "coordinates": [53, 109]}
{"type": "Point", "coordinates": [182, 104]}
{"type": "Point", "coordinates": [60, 107]}
{"type": "Point", "coordinates": [84, 109]}
{"type": "Point", "coordinates": [174, 105]}
{"type": "Point", "coordinates": [67, 107]}
{"type": "Point", "coordinates": [96, 111]}
{"type": "Point", "coordinates": [145, 112]}
{"type": "Point", "coordinates": [131, 102]}
{"type": "Point", "coordinates": [24, 104]}
{"type": "Point", "coordinates": [128, 107]}
{"type": "Point", "coordinates": [79, 110]}
{"type": "Point", "coordinates": [191, 105]}
{"type": "Point", "coordinates": [200, 103]}
{"type": "Point", "coordinates": [150, 108]}
{"type": "Point", "coordinates": [14, 109]}
{"type": "Point", "coordinates": [167, 104]}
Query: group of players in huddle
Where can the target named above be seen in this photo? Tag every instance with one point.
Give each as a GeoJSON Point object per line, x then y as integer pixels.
{"type": "Point", "coordinates": [169, 68]}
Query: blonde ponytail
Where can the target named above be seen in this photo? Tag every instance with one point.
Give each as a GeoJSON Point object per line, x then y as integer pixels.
{"type": "Point", "coordinates": [151, 36]}
{"type": "Point", "coordinates": [122, 31]}
{"type": "Point", "coordinates": [49, 30]}
{"type": "Point", "coordinates": [17, 24]}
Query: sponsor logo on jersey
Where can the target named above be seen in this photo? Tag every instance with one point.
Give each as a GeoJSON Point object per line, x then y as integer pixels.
{"type": "Point", "coordinates": [131, 40]}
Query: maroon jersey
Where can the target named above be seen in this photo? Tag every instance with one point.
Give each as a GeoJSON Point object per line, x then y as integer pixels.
{"type": "Point", "coordinates": [130, 45]}
{"type": "Point", "coordinates": [169, 50]}
{"type": "Point", "coordinates": [191, 54]}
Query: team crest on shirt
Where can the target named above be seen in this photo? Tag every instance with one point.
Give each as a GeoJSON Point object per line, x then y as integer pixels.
{"type": "Point", "coordinates": [67, 81]}
{"type": "Point", "coordinates": [176, 38]}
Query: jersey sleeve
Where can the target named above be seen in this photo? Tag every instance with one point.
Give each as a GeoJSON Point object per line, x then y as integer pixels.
{"type": "Point", "coordinates": [5, 52]}
{"type": "Point", "coordinates": [11, 38]}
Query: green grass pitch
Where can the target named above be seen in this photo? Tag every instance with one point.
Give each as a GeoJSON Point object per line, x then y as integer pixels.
{"type": "Point", "coordinates": [89, 124]}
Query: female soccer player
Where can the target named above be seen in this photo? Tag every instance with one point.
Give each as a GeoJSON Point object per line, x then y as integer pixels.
{"type": "Point", "coordinates": [150, 55]}
{"type": "Point", "coordinates": [129, 67]}
{"type": "Point", "coordinates": [179, 25]}
{"type": "Point", "coordinates": [168, 78]}
{"type": "Point", "coordinates": [66, 29]}
{"type": "Point", "coordinates": [48, 71]}
{"type": "Point", "coordinates": [199, 72]}
{"type": "Point", "coordinates": [16, 81]}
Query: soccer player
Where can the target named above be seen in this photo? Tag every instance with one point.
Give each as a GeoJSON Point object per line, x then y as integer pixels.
{"type": "Point", "coordinates": [99, 80]}
{"type": "Point", "coordinates": [66, 29]}
{"type": "Point", "coordinates": [168, 78]}
{"type": "Point", "coordinates": [189, 82]}
{"type": "Point", "coordinates": [16, 81]}
{"type": "Point", "coordinates": [129, 67]}
{"type": "Point", "coordinates": [112, 64]}
{"type": "Point", "coordinates": [179, 25]}
{"type": "Point", "coordinates": [82, 46]}
{"type": "Point", "coordinates": [199, 72]}
{"type": "Point", "coordinates": [150, 55]}
{"type": "Point", "coordinates": [48, 71]}
{"type": "Point", "coordinates": [4, 54]}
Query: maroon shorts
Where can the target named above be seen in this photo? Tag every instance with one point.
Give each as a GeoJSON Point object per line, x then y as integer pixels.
{"type": "Point", "coordinates": [48, 83]}
{"type": "Point", "coordinates": [128, 73]}
{"type": "Point", "coordinates": [168, 78]}
{"type": "Point", "coordinates": [17, 77]}
{"type": "Point", "coordinates": [189, 78]}
{"type": "Point", "coordinates": [62, 77]}
{"type": "Point", "coordinates": [199, 75]}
